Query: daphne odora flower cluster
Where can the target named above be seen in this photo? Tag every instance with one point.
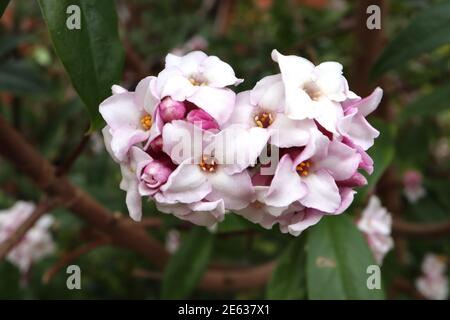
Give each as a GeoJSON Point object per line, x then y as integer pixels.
{"type": "Point", "coordinates": [286, 152]}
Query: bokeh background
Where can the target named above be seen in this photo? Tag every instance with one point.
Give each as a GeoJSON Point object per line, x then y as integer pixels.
{"type": "Point", "coordinates": [38, 99]}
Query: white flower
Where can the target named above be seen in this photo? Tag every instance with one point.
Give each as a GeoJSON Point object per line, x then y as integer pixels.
{"type": "Point", "coordinates": [376, 223]}
{"type": "Point", "coordinates": [37, 242]}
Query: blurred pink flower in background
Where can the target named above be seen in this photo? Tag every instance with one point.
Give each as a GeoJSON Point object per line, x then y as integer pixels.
{"type": "Point", "coordinates": [433, 283]}
{"type": "Point", "coordinates": [412, 184]}
{"type": "Point", "coordinates": [376, 222]}
{"type": "Point", "coordinates": [35, 245]}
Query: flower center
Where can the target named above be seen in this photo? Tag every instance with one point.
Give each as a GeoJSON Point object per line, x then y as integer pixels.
{"type": "Point", "coordinates": [208, 163]}
{"type": "Point", "coordinates": [303, 168]}
{"type": "Point", "coordinates": [196, 81]}
{"type": "Point", "coordinates": [312, 90]}
{"type": "Point", "coordinates": [146, 122]}
{"type": "Point", "coordinates": [263, 119]}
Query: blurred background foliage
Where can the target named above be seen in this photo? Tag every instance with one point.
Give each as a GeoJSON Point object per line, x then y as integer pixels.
{"type": "Point", "coordinates": [38, 98]}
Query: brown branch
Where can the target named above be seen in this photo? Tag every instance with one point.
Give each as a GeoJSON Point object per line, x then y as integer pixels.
{"type": "Point", "coordinates": [69, 257]}
{"type": "Point", "coordinates": [414, 229]}
{"type": "Point", "coordinates": [7, 245]}
{"type": "Point", "coordinates": [121, 231]}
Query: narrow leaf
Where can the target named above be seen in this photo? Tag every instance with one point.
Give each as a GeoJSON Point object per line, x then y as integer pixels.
{"type": "Point", "coordinates": [187, 265]}
{"type": "Point", "coordinates": [91, 54]}
{"type": "Point", "coordinates": [288, 281]}
{"type": "Point", "coordinates": [338, 260]}
{"type": "Point", "coordinates": [426, 32]}
{"type": "Point", "coordinates": [3, 5]}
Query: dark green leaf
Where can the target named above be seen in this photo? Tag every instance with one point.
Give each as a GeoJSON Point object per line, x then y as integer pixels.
{"type": "Point", "coordinates": [20, 78]}
{"type": "Point", "coordinates": [92, 55]}
{"type": "Point", "coordinates": [427, 31]}
{"type": "Point", "coordinates": [337, 261]}
{"type": "Point", "coordinates": [382, 154]}
{"type": "Point", "coordinates": [289, 278]}
{"type": "Point", "coordinates": [187, 265]}
{"type": "Point", "coordinates": [3, 5]}
{"type": "Point", "coordinates": [430, 104]}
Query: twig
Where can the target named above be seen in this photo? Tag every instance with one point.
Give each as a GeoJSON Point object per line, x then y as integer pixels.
{"type": "Point", "coordinates": [17, 236]}
{"type": "Point", "coordinates": [406, 228]}
{"type": "Point", "coordinates": [71, 256]}
{"type": "Point", "coordinates": [19, 152]}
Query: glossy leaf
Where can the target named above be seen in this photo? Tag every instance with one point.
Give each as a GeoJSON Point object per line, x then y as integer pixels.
{"type": "Point", "coordinates": [187, 265]}
{"type": "Point", "coordinates": [338, 260]}
{"type": "Point", "coordinates": [289, 278]}
{"type": "Point", "coordinates": [426, 32]}
{"type": "Point", "coordinates": [3, 5]}
{"type": "Point", "coordinates": [92, 55]}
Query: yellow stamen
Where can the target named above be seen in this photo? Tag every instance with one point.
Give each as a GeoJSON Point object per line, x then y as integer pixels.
{"type": "Point", "coordinates": [302, 168]}
{"type": "Point", "coordinates": [208, 163]}
{"type": "Point", "coordinates": [146, 122]}
{"type": "Point", "coordinates": [264, 119]}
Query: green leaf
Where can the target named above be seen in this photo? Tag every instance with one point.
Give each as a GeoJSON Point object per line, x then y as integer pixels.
{"type": "Point", "coordinates": [3, 5]}
{"type": "Point", "coordinates": [92, 55]}
{"type": "Point", "coordinates": [426, 32]}
{"type": "Point", "coordinates": [337, 261]}
{"type": "Point", "coordinates": [20, 78]}
{"type": "Point", "coordinates": [430, 104]}
{"type": "Point", "coordinates": [187, 265]}
{"type": "Point", "coordinates": [288, 281]}
{"type": "Point", "coordinates": [382, 153]}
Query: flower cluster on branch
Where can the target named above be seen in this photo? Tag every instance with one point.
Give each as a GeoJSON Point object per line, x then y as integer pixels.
{"type": "Point", "coordinates": [286, 152]}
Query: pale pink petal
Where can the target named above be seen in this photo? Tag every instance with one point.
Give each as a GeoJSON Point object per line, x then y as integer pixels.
{"type": "Point", "coordinates": [329, 114]}
{"type": "Point", "coordinates": [341, 161]}
{"type": "Point", "coordinates": [123, 139]}
{"type": "Point", "coordinates": [303, 220]}
{"type": "Point", "coordinates": [144, 96]}
{"type": "Point", "coordinates": [186, 184]}
{"type": "Point", "coordinates": [357, 129]}
{"type": "Point", "coordinates": [133, 199]}
{"type": "Point", "coordinates": [286, 186]}
{"type": "Point", "coordinates": [189, 64]}
{"type": "Point", "coordinates": [172, 83]}
{"type": "Point", "coordinates": [347, 195]}
{"type": "Point", "coordinates": [322, 193]}
{"type": "Point", "coordinates": [120, 111]}
{"type": "Point", "coordinates": [330, 80]}
{"type": "Point", "coordinates": [217, 73]}
{"type": "Point", "coordinates": [236, 190]}
{"type": "Point", "coordinates": [268, 94]}
{"type": "Point", "coordinates": [286, 132]}
{"type": "Point", "coordinates": [243, 111]}
{"type": "Point", "coordinates": [219, 103]}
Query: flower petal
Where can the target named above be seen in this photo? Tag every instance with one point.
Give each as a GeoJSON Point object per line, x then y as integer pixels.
{"type": "Point", "coordinates": [286, 132]}
{"type": "Point", "coordinates": [217, 73]}
{"type": "Point", "coordinates": [268, 94]}
{"type": "Point", "coordinates": [144, 96]}
{"type": "Point", "coordinates": [188, 64]}
{"type": "Point", "coordinates": [341, 161]}
{"type": "Point", "coordinates": [186, 184]}
{"type": "Point", "coordinates": [219, 103]}
{"type": "Point", "coordinates": [236, 190]}
{"type": "Point", "coordinates": [286, 186]}
{"type": "Point", "coordinates": [322, 193]}
{"type": "Point", "coordinates": [120, 111]}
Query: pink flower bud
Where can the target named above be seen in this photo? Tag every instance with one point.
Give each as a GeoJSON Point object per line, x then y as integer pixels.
{"type": "Point", "coordinates": [155, 174]}
{"type": "Point", "coordinates": [202, 119]}
{"type": "Point", "coordinates": [171, 109]}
